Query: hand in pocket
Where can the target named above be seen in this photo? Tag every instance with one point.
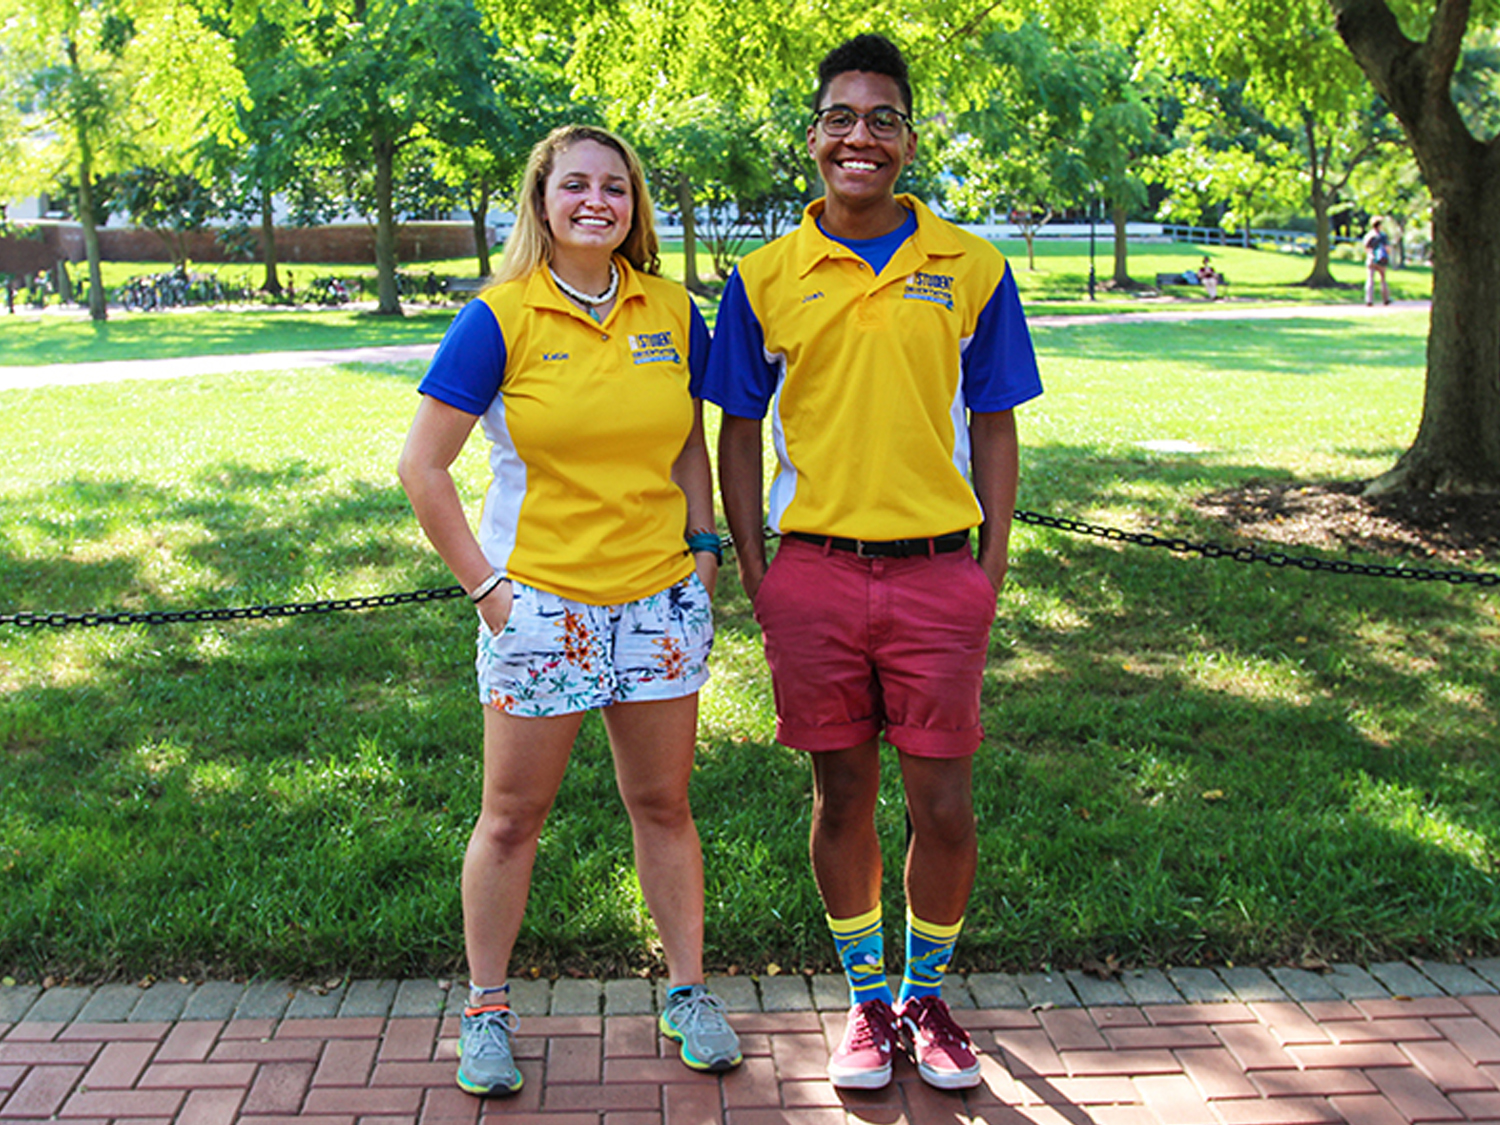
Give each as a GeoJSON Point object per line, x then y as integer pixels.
{"type": "Point", "coordinates": [494, 610]}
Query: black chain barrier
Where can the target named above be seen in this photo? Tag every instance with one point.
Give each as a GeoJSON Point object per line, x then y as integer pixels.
{"type": "Point", "coordinates": [1250, 555]}
{"type": "Point", "coordinates": [243, 613]}
{"type": "Point", "coordinates": [1057, 523]}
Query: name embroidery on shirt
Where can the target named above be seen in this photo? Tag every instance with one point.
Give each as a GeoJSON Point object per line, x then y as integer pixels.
{"type": "Point", "coordinates": [818, 296]}
{"type": "Point", "coordinates": [552, 357]}
{"type": "Point", "coordinates": [934, 287]}
{"type": "Point", "coordinates": [654, 347]}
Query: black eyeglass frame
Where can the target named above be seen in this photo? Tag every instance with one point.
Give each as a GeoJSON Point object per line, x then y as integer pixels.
{"type": "Point", "coordinates": [903, 117]}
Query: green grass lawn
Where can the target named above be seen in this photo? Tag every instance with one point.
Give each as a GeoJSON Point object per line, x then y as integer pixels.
{"type": "Point", "coordinates": [1185, 760]}
{"type": "Point", "coordinates": [31, 341]}
{"type": "Point", "coordinates": [1057, 284]}
{"type": "Point", "coordinates": [1058, 281]}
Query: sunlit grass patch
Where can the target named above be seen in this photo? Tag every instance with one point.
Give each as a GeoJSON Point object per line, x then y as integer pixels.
{"type": "Point", "coordinates": [1420, 818]}
{"type": "Point", "coordinates": [736, 705]}
{"type": "Point", "coordinates": [1264, 679]}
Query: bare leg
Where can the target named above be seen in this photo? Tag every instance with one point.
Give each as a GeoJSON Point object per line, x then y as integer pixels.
{"type": "Point", "coordinates": [653, 745]}
{"type": "Point", "coordinates": [844, 846]}
{"type": "Point", "coordinates": [524, 762]}
{"type": "Point", "coordinates": [944, 850]}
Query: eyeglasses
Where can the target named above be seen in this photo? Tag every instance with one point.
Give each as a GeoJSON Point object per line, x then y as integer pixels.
{"type": "Point", "coordinates": [882, 121]}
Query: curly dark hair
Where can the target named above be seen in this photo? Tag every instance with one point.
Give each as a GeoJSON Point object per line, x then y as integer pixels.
{"type": "Point", "coordinates": [874, 54]}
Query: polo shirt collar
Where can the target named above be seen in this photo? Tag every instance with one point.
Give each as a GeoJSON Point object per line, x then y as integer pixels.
{"type": "Point", "coordinates": [933, 238]}
{"type": "Point", "coordinates": [543, 293]}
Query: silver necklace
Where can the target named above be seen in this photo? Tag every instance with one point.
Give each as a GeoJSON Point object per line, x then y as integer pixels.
{"type": "Point", "coordinates": [586, 299]}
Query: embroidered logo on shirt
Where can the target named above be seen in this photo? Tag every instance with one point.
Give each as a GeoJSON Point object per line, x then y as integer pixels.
{"type": "Point", "coordinates": [934, 287]}
{"type": "Point", "coordinates": [654, 347]}
{"type": "Point", "coordinates": [548, 357]}
{"type": "Point", "coordinates": [818, 296]}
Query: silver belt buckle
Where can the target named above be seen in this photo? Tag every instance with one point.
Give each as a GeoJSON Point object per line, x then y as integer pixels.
{"type": "Point", "coordinates": [859, 550]}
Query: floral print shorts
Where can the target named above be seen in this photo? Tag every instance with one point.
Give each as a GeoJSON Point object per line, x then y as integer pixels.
{"type": "Point", "coordinates": [555, 656]}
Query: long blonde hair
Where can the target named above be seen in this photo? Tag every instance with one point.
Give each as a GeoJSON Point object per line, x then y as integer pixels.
{"type": "Point", "coordinates": [530, 243]}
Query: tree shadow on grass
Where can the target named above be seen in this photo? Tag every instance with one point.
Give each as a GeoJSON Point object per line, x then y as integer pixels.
{"type": "Point", "coordinates": [1184, 758]}
{"type": "Point", "coordinates": [232, 532]}
{"type": "Point", "coordinates": [1234, 764]}
{"type": "Point", "coordinates": [287, 796]}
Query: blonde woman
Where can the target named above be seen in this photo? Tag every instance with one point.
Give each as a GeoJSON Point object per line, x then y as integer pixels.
{"type": "Point", "coordinates": [593, 564]}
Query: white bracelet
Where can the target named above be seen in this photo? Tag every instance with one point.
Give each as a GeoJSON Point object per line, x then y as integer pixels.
{"type": "Point", "coordinates": [482, 591]}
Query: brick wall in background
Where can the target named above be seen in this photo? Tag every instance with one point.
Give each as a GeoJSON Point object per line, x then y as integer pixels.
{"type": "Point", "coordinates": [344, 242]}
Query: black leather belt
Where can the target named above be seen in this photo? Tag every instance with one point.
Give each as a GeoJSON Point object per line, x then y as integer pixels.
{"type": "Point", "coordinates": [887, 548]}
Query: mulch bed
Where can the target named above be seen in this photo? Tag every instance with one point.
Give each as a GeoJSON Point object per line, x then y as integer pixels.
{"type": "Point", "coordinates": [1460, 530]}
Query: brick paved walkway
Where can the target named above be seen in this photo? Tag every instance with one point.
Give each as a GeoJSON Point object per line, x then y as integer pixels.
{"type": "Point", "coordinates": [1392, 1043]}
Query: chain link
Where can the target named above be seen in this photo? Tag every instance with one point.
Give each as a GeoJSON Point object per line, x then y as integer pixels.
{"type": "Point", "coordinates": [1057, 523]}
{"type": "Point", "coordinates": [241, 613]}
{"type": "Point", "coordinates": [1268, 558]}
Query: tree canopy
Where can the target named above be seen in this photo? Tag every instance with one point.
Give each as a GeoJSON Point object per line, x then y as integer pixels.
{"type": "Point", "coordinates": [1208, 110]}
{"type": "Point", "coordinates": [110, 86]}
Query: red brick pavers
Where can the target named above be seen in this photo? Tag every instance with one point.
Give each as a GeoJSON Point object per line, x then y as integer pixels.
{"type": "Point", "coordinates": [1368, 1062]}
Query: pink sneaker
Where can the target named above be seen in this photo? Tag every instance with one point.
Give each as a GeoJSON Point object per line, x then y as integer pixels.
{"type": "Point", "coordinates": [863, 1059]}
{"type": "Point", "coordinates": [940, 1048]}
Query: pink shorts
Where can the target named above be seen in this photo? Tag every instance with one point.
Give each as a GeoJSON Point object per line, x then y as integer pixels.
{"type": "Point", "coordinates": [862, 647]}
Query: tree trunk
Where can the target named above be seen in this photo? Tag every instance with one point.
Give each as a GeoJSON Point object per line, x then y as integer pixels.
{"type": "Point", "coordinates": [1457, 447]}
{"type": "Point", "coordinates": [1322, 271]}
{"type": "Point", "coordinates": [268, 242]}
{"type": "Point", "coordinates": [98, 308]}
{"type": "Point", "coordinates": [478, 213]}
{"type": "Point", "coordinates": [63, 282]}
{"type": "Point", "coordinates": [689, 233]}
{"type": "Point", "coordinates": [1118, 216]}
{"type": "Point", "coordinates": [1322, 200]}
{"type": "Point", "coordinates": [385, 230]}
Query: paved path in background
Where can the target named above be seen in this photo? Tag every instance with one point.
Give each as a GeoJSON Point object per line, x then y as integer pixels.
{"type": "Point", "coordinates": [63, 374]}
{"type": "Point", "coordinates": [1387, 1045]}
{"type": "Point", "coordinates": [1221, 310]}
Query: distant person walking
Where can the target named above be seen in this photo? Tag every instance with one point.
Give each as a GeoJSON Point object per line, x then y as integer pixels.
{"type": "Point", "coordinates": [592, 568]}
{"type": "Point", "coordinates": [1377, 257]}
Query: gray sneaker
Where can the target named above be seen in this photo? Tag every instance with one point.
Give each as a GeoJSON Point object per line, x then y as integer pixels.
{"type": "Point", "coordinates": [695, 1019]}
{"type": "Point", "coordinates": [485, 1064]}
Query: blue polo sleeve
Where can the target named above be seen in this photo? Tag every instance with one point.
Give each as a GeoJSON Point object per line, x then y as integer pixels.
{"type": "Point", "coordinates": [999, 363]}
{"type": "Point", "coordinates": [698, 349]}
{"type": "Point", "coordinates": [470, 362]}
{"type": "Point", "coordinates": [739, 378]}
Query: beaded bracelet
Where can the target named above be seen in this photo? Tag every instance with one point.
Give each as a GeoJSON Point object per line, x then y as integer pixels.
{"type": "Point", "coordinates": [706, 541]}
{"type": "Point", "coordinates": [485, 588]}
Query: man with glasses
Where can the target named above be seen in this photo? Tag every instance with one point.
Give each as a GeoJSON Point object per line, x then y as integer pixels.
{"type": "Point", "coordinates": [890, 349]}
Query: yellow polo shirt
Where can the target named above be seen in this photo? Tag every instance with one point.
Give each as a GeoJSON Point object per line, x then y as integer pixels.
{"type": "Point", "coordinates": [585, 422]}
{"type": "Point", "coordinates": [869, 377]}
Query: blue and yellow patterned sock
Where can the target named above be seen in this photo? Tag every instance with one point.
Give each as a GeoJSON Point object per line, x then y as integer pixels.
{"type": "Point", "coordinates": [861, 946]}
{"type": "Point", "coordinates": [929, 948]}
